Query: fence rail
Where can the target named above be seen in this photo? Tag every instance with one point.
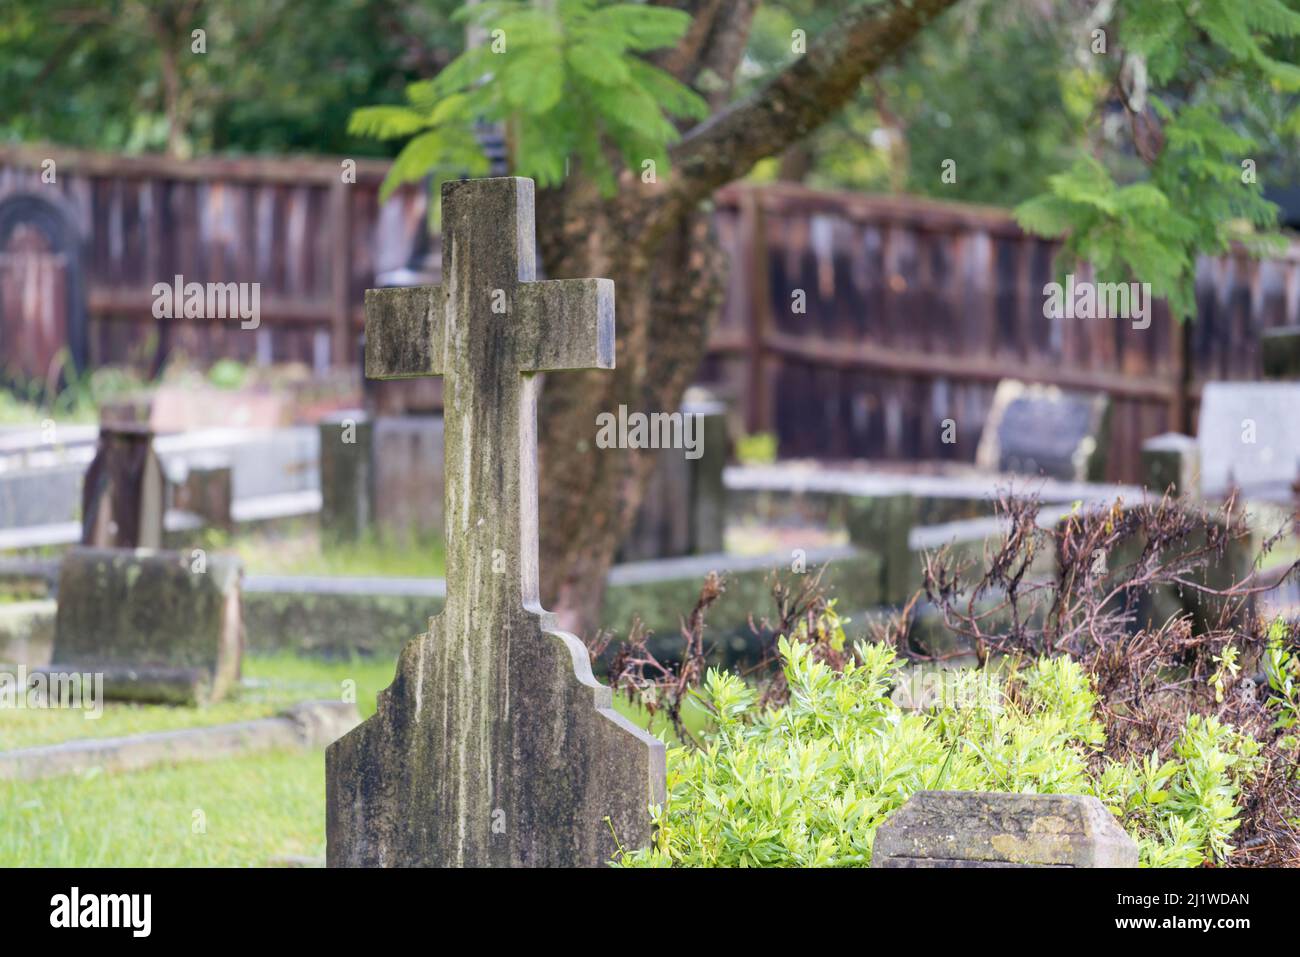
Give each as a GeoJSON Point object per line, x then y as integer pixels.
{"type": "Point", "coordinates": [914, 308]}
{"type": "Point", "coordinates": [311, 238]}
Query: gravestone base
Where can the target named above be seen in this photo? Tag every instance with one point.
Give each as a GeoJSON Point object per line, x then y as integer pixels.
{"type": "Point", "coordinates": [528, 766]}
{"type": "Point", "coordinates": [884, 524]}
{"type": "Point", "coordinates": [983, 829]}
{"type": "Point", "coordinates": [188, 687]}
{"type": "Point", "coordinates": [160, 626]}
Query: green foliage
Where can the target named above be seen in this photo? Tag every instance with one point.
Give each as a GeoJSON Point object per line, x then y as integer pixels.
{"type": "Point", "coordinates": [757, 449]}
{"type": "Point", "coordinates": [807, 783]}
{"type": "Point", "coordinates": [991, 85]}
{"type": "Point", "coordinates": [1282, 670]}
{"type": "Point", "coordinates": [277, 76]}
{"type": "Point", "coordinates": [295, 548]}
{"type": "Point", "coordinates": [1182, 812]}
{"type": "Point", "coordinates": [31, 402]}
{"type": "Point", "coordinates": [257, 808]}
{"type": "Point", "coordinates": [566, 82]}
{"type": "Point", "coordinates": [228, 374]}
{"type": "Point", "coordinates": [1199, 189]}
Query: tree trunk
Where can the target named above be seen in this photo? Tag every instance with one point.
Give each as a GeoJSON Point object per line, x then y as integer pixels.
{"type": "Point", "coordinates": [664, 301]}
{"type": "Point", "coordinates": [656, 242]}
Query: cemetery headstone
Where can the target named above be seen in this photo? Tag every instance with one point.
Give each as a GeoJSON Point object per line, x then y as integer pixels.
{"type": "Point", "coordinates": [381, 474]}
{"type": "Point", "coordinates": [346, 477]}
{"type": "Point", "coordinates": [1279, 352]}
{"type": "Point", "coordinates": [1172, 462]}
{"type": "Point", "coordinates": [1044, 430]}
{"type": "Point", "coordinates": [123, 498]}
{"type": "Point", "coordinates": [982, 829]}
{"type": "Point", "coordinates": [206, 489]}
{"type": "Point", "coordinates": [160, 626]}
{"type": "Point", "coordinates": [884, 524]}
{"type": "Point", "coordinates": [683, 511]}
{"type": "Point", "coordinates": [494, 746]}
{"type": "Point", "coordinates": [1249, 436]}
{"type": "Point", "coordinates": [406, 461]}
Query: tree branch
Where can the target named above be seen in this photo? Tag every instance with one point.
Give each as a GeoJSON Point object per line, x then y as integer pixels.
{"type": "Point", "coordinates": [797, 100]}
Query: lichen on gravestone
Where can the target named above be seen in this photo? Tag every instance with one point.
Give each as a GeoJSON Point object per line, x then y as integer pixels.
{"type": "Point", "coordinates": [494, 745]}
{"type": "Point", "coordinates": [994, 829]}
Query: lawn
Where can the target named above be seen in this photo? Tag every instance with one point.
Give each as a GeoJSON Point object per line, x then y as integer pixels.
{"type": "Point", "coordinates": [269, 685]}
{"type": "Point", "coordinates": [237, 812]}
{"type": "Point", "coordinates": [243, 812]}
{"type": "Point", "coordinates": [295, 548]}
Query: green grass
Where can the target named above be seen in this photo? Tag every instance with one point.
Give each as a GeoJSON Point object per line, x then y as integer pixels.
{"type": "Point", "coordinates": [239, 813]}
{"type": "Point", "coordinates": [253, 809]}
{"type": "Point", "coordinates": [270, 685]}
{"type": "Point", "coordinates": [296, 549]}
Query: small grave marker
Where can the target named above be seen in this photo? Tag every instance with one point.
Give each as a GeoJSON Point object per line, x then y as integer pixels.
{"type": "Point", "coordinates": [123, 499]}
{"type": "Point", "coordinates": [1249, 435]}
{"type": "Point", "coordinates": [982, 829]}
{"type": "Point", "coordinates": [160, 626]}
{"type": "Point", "coordinates": [1043, 430]}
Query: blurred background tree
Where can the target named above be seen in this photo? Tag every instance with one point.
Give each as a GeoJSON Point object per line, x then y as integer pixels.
{"type": "Point", "coordinates": [277, 75]}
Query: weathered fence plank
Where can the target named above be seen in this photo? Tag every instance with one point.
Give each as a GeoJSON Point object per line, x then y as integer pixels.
{"type": "Point", "coordinates": [914, 308]}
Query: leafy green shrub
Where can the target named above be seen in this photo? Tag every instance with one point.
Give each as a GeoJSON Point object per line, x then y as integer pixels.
{"type": "Point", "coordinates": [565, 80]}
{"type": "Point", "coordinates": [807, 783]}
{"type": "Point", "coordinates": [757, 449]}
{"type": "Point", "coordinates": [228, 374]}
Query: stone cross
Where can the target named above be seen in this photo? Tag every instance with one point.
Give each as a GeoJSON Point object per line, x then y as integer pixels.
{"type": "Point", "coordinates": [494, 746]}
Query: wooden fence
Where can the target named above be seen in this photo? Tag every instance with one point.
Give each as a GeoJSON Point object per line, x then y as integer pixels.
{"type": "Point", "coordinates": [913, 309]}
{"type": "Point", "coordinates": [312, 239]}
{"type": "Point", "coordinates": [916, 309]}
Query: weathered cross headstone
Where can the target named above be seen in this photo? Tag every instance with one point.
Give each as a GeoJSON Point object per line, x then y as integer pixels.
{"type": "Point", "coordinates": [683, 511]}
{"type": "Point", "coordinates": [1043, 430]}
{"type": "Point", "coordinates": [494, 745]}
